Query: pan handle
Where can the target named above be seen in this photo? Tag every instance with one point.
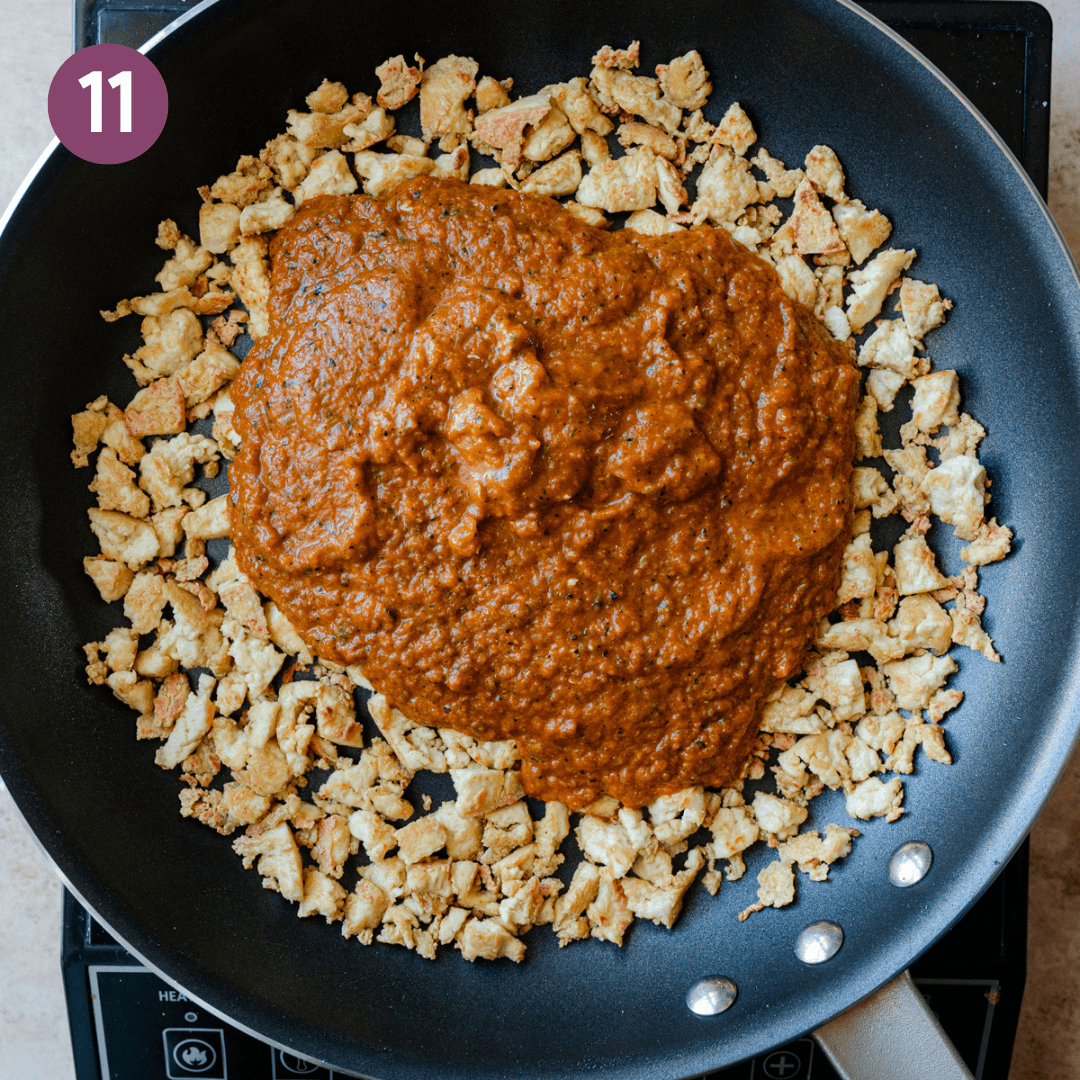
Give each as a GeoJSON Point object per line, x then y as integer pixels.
{"type": "Point", "coordinates": [891, 1035]}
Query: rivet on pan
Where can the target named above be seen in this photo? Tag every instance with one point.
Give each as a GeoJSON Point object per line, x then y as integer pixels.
{"type": "Point", "coordinates": [819, 942]}
{"type": "Point", "coordinates": [910, 863]}
{"type": "Point", "coordinates": [711, 996]}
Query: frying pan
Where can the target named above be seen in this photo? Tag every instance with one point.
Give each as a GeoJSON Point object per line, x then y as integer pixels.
{"type": "Point", "coordinates": [808, 71]}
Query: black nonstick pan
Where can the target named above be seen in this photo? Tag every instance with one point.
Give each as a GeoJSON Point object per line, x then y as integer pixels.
{"type": "Point", "coordinates": [808, 71]}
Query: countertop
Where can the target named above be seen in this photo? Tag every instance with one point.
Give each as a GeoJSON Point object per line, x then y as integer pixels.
{"type": "Point", "coordinates": [33, 1021]}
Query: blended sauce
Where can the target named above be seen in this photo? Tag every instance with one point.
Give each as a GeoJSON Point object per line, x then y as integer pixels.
{"type": "Point", "coordinates": [587, 490]}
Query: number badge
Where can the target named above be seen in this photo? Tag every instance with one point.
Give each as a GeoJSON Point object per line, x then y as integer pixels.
{"type": "Point", "coordinates": [108, 104]}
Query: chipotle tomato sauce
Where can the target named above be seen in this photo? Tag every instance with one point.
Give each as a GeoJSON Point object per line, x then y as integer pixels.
{"type": "Point", "coordinates": [587, 490]}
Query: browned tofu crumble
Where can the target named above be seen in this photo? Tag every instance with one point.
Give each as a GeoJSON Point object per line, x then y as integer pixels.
{"type": "Point", "coordinates": [478, 871]}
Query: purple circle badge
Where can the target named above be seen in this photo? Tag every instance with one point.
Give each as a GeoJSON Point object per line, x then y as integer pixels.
{"type": "Point", "coordinates": [108, 104]}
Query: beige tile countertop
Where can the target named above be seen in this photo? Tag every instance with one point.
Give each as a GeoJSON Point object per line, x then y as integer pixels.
{"type": "Point", "coordinates": [33, 1021]}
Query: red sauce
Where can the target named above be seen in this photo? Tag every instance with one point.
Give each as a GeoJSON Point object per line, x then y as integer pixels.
{"type": "Point", "coordinates": [587, 490]}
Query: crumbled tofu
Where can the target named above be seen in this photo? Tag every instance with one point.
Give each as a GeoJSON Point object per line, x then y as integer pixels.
{"type": "Point", "coordinates": [279, 860]}
{"type": "Point", "coordinates": [962, 438]}
{"type": "Point", "coordinates": [991, 543]}
{"type": "Point", "coordinates": [112, 578]}
{"type": "Point", "coordinates": [606, 843]}
{"type": "Point", "coordinates": [588, 214]}
{"type": "Point", "coordinates": [325, 131]}
{"type": "Point", "coordinates": [922, 307]}
{"type": "Point", "coordinates": [257, 660]}
{"type": "Point", "coordinates": [330, 175]}
{"type": "Point", "coordinates": [776, 888]}
{"type": "Point", "coordinates": [115, 487]}
{"type": "Point", "coordinates": [374, 128]}
{"type": "Point", "coordinates": [550, 137]}
{"type": "Point", "coordinates": [967, 630]}
{"type": "Point", "coordinates": [444, 88]}
{"type": "Point", "coordinates": [914, 681]}
{"type": "Point", "coordinates": [777, 817]}
{"type": "Point", "coordinates": [188, 262]}
{"type": "Point", "coordinates": [329, 97]}
{"type": "Point", "coordinates": [650, 223]}
{"type": "Point", "coordinates": [210, 521]}
{"type": "Point", "coordinates": [289, 159]}
{"type": "Point", "coordinates": [675, 817]}
{"type": "Point", "coordinates": [636, 95]}
{"type": "Point", "coordinates": [503, 128]}
{"type": "Point", "coordinates": [890, 348]}
{"type": "Point", "coordinates": [136, 693]}
{"type": "Point", "coordinates": [170, 341]}
{"type": "Point", "coordinates": [824, 171]}
{"type": "Point", "coordinates": [735, 130]}
{"type": "Point", "coordinates": [382, 173]}
{"type": "Point", "coordinates": [489, 178]}
{"type": "Point", "coordinates": [873, 798]}
{"type": "Point", "coordinates": [251, 279]}
{"type": "Point", "coordinates": [399, 83]}
{"type": "Point", "coordinates": [559, 177]}
{"type": "Point", "coordinates": [170, 465]}
{"type": "Point", "coordinates": [859, 569]}
{"type": "Point", "coordinates": [916, 569]}
{"type": "Point", "coordinates": [191, 725]}
{"type": "Point", "coordinates": [322, 896]}
{"type": "Point", "coordinates": [417, 747]}
{"type": "Point", "coordinates": [782, 180]}
{"type": "Point", "coordinates": [813, 228]}
{"type": "Point", "coordinates": [581, 111]}
{"type": "Point", "coordinates": [837, 680]}
{"type": "Point", "coordinates": [660, 902]}
{"type": "Point", "coordinates": [922, 623]}
{"type": "Point", "coordinates": [655, 139]}
{"type": "Point", "coordinates": [244, 185]}
{"type": "Point", "coordinates": [452, 166]}
{"type": "Point", "coordinates": [936, 401]}
{"type": "Point", "coordinates": [218, 227]}
{"type": "Point", "coordinates": [88, 428]}
{"type": "Point", "coordinates": [957, 493]}
{"type": "Point", "coordinates": [491, 94]}
{"type": "Point", "coordinates": [685, 82]}
{"type": "Point", "coordinates": [837, 323]}
{"type": "Point", "coordinates": [726, 187]}
{"type": "Point", "coordinates": [619, 184]}
{"type": "Point", "coordinates": [419, 839]}
{"type": "Point", "coordinates": [480, 790]}
{"type": "Point", "coordinates": [871, 284]}
{"type": "Point", "coordinates": [609, 914]}
{"type": "Point", "coordinates": [124, 539]}
{"type": "Point", "coordinates": [364, 910]}
{"type": "Point", "coordinates": [734, 829]}
{"type": "Point", "coordinates": [814, 854]}
{"type": "Point", "coordinates": [862, 230]}
{"type": "Point", "coordinates": [158, 409]}
{"type": "Point", "coordinates": [669, 186]}
{"type": "Point", "coordinates": [488, 939]}
{"type": "Point", "coordinates": [797, 280]}
{"type": "Point", "coordinates": [270, 214]}
{"type": "Point", "coordinates": [207, 373]}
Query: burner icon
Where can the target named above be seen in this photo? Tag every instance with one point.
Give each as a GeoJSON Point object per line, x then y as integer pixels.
{"type": "Point", "coordinates": [197, 1053]}
{"type": "Point", "coordinates": [194, 1056]}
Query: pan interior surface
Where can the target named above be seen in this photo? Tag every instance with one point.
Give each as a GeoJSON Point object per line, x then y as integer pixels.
{"type": "Point", "coordinates": [808, 72]}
